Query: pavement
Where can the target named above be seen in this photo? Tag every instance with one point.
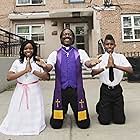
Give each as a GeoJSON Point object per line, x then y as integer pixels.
{"type": "Point", "coordinates": [128, 131]}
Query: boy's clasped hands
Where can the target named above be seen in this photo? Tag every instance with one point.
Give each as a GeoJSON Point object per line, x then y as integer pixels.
{"type": "Point", "coordinates": [110, 61]}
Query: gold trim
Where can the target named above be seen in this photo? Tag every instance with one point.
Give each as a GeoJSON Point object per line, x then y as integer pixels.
{"type": "Point", "coordinates": [58, 114]}
{"type": "Point", "coordinates": [82, 115]}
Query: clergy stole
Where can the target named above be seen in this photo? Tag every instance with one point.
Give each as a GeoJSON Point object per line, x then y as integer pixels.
{"type": "Point", "coordinates": [81, 101]}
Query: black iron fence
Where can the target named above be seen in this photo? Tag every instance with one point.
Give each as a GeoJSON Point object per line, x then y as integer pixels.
{"type": "Point", "coordinates": [10, 44]}
{"type": "Point", "coordinates": [135, 62]}
{"type": "Point", "coordinates": [131, 54]}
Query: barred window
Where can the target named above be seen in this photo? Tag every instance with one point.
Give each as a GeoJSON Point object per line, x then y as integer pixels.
{"type": "Point", "coordinates": [76, 1]}
{"type": "Point", "coordinates": [34, 32]}
{"type": "Point", "coordinates": [130, 27]}
{"type": "Point", "coordinates": [29, 2]}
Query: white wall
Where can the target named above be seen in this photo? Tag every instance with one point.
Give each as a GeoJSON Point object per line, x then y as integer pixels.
{"type": "Point", "coordinates": [5, 64]}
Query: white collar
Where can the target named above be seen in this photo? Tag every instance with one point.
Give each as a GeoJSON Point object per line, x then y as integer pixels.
{"type": "Point", "coordinates": [108, 53]}
{"type": "Point", "coordinates": [65, 47]}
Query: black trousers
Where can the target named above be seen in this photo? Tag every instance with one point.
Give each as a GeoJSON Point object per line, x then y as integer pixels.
{"type": "Point", "coordinates": [69, 96]}
{"type": "Point", "coordinates": [110, 107]}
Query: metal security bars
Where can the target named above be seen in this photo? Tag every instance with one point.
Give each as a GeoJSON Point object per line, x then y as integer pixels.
{"type": "Point", "coordinates": [10, 44]}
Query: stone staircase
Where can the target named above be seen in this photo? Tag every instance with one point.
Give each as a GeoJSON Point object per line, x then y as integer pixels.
{"type": "Point", "coordinates": [86, 74]}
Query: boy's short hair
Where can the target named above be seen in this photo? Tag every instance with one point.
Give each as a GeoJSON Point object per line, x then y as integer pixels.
{"type": "Point", "coordinates": [109, 37]}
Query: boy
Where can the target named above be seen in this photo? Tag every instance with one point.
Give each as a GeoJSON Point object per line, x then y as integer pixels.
{"type": "Point", "coordinates": [110, 107]}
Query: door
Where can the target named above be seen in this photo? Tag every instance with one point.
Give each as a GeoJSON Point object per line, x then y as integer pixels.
{"type": "Point", "coordinates": [81, 34]}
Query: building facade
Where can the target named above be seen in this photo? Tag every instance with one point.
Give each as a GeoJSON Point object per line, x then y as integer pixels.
{"type": "Point", "coordinates": [91, 20]}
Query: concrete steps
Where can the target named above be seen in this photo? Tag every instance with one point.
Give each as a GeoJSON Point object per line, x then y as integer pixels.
{"type": "Point", "coordinates": [85, 73]}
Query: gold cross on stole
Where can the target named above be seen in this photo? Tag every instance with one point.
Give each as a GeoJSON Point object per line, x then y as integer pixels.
{"type": "Point", "coordinates": [81, 102]}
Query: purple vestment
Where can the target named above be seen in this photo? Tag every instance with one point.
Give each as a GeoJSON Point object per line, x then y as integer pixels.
{"type": "Point", "coordinates": [68, 72]}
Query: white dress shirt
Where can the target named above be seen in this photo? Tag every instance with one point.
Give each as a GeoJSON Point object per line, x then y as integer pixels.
{"type": "Point", "coordinates": [120, 60]}
{"type": "Point", "coordinates": [83, 57]}
{"type": "Point", "coordinates": [17, 66]}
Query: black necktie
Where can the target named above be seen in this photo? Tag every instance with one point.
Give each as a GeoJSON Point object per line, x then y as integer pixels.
{"type": "Point", "coordinates": [111, 74]}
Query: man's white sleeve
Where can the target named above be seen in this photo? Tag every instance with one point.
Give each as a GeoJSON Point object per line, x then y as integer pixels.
{"type": "Point", "coordinates": [52, 58]}
{"type": "Point", "coordinates": [83, 57]}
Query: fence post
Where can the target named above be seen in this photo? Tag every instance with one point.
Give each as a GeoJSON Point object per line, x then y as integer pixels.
{"type": "Point", "coordinates": [9, 45]}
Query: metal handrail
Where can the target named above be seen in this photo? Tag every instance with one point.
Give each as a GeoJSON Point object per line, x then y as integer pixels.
{"type": "Point", "coordinates": [10, 43]}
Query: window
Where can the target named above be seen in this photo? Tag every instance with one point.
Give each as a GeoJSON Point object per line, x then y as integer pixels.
{"type": "Point", "coordinates": [29, 2]}
{"type": "Point", "coordinates": [76, 1]}
{"type": "Point", "coordinates": [80, 37]}
{"type": "Point", "coordinates": [81, 34]}
{"type": "Point", "coordinates": [34, 32]}
{"type": "Point", "coordinates": [131, 27]}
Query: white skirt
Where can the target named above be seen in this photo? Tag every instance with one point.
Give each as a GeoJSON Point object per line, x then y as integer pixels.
{"type": "Point", "coordinates": [26, 112]}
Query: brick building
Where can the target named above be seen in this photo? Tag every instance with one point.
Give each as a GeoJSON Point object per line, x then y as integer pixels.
{"type": "Point", "coordinates": [91, 20]}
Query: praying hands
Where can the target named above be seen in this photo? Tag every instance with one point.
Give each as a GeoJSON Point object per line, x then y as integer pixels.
{"type": "Point", "coordinates": [110, 61]}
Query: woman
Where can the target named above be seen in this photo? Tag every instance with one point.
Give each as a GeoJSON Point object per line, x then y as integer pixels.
{"type": "Point", "coordinates": [26, 110]}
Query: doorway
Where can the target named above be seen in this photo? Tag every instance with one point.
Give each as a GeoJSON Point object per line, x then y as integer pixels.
{"type": "Point", "coordinates": [81, 34]}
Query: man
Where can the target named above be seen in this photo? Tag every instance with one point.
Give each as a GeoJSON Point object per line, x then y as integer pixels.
{"type": "Point", "coordinates": [110, 107]}
{"type": "Point", "coordinates": [67, 61]}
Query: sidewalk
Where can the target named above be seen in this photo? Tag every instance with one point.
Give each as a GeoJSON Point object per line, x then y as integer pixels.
{"type": "Point", "coordinates": [129, 131]}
